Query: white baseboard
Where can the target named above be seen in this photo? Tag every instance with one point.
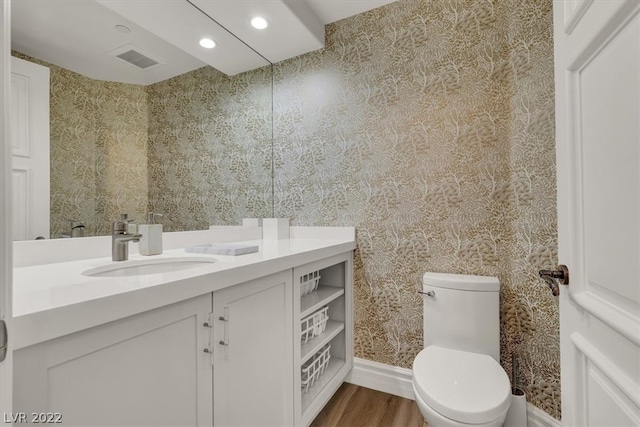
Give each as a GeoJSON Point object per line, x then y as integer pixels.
{"type": "Point", "coordinates": [536, 417]}
{"type": "Point", "coordinates": [381, 377]}
{"type": "Point", "coordinates": [397, 381]}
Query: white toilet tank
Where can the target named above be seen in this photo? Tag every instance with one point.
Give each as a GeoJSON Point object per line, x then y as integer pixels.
{"type": "Point", "coordinates": [462, 312]}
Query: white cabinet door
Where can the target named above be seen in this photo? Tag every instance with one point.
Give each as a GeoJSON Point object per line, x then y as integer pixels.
{"type": "Point", "coordinates": [147, 370]}
{"type": "Point", "coordinates": [597, 60]}
{"type": "Point", "coordinates": [253, 353]}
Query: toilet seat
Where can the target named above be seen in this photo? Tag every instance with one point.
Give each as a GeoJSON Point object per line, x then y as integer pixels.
{"type": "Point", "coordinates": [462, 386]}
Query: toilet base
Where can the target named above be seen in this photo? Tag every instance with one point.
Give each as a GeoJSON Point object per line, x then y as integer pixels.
{"type": "Point", "coordinates": [435, 419]}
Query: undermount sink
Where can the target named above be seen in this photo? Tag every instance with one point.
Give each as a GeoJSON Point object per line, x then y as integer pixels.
{"type": "Point", "coordinates": [150, 266]}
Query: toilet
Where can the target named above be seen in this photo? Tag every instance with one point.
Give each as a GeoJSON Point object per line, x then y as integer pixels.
{"type": "Point", "coordinates": [457, 378]}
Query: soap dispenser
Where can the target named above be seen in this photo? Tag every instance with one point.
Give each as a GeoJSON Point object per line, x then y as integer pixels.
{"type": "Point", "coordinates": [151, 241]}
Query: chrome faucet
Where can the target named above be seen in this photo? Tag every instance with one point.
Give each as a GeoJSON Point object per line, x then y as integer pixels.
{"type": "Point", "coordinates": [120, 239]}
{"type": "Point", "coordinates": [76, 229]}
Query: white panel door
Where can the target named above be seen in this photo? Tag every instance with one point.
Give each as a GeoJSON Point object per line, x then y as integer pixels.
{"type": "Point", "coordinates": [30, 145]}
{"type": "Point", "coordinates": [597, 60]}
{"type": "Point", "coordinates": [6, 367]}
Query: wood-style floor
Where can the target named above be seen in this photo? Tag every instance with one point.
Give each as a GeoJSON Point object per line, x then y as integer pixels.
{"type": "Point", "coordinates": [354, 406]}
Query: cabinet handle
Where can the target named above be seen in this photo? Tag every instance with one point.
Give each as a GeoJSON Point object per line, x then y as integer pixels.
{"type": "Point", "coordinates": [225, 319]}
{"type": "Point", "coordinates": [207, 325]}
{"type": "Point", "coordinates": [206, 350]}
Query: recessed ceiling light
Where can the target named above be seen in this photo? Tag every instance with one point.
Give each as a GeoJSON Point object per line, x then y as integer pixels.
{"type": "Point", "coordinates": [207, 43]}
{"type": "Point", "coordinates": [123, 29]}
{"type": "Point", "coordinates": [259, 23]}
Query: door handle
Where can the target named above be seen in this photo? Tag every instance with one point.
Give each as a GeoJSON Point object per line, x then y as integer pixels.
{"type": "Point", "coordinates": [4, 340]}
{"type": "Point", "coordinates": [553, 277]}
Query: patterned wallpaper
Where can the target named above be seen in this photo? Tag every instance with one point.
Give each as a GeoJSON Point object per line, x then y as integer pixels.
{"type": "Point", "coordinates": [196, 148]}
{"type": "Point", "coordinates": [98, 150]}
{"type": "Point", "coordinates": [210, 148]}
{"type": "Point", "coordinates": [429, 125]}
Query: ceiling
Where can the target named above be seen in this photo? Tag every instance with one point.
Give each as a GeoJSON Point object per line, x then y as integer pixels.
{"type": "Point", "coordinates": [81, 35]}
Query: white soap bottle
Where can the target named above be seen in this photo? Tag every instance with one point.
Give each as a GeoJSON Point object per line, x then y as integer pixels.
{"type": "Point", "coordinates": [151, 240]}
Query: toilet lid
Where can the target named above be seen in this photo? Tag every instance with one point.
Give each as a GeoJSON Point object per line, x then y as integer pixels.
{"type": "Point", "coordinates": [466, 387]}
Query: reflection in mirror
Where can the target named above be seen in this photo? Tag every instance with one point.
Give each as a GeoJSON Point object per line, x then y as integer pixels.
{"type": "Point", "coordinates": [194, 144]}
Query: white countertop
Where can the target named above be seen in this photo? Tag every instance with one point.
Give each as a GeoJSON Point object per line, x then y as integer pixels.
{"type": "Point", "coordinates": [55, 299]}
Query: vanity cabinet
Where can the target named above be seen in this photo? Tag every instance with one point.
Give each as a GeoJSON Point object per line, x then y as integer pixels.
{"type": "Point", "coordinates": [233, 357]}
{"type": "Point", "coordinates": [145, 370]}
{"type": "Point", "coordinates": [253, 353]}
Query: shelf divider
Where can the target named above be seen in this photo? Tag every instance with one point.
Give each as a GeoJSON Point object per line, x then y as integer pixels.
{"type": "Point", "coordinates": [334, 366]}
{"type": "Point", "coordinates": [318, 298]}
{"type": "Point", "coordinates": [310, 348]}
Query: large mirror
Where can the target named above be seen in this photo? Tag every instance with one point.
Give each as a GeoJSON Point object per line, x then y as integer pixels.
{"type": "Point", "coordinates": [178, 137]}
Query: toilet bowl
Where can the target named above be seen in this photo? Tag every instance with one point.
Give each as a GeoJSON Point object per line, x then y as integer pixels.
{"type": "Point", "coordinates": [459, 388]}
{"type": "Point", "coordinates": [457, 380]}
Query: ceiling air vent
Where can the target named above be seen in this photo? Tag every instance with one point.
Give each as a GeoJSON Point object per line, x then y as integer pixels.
{"type": "Point", "coordinates": [135, 56]}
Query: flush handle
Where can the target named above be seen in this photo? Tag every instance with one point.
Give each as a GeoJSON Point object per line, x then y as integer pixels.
{"type": "Point", "coordinates": [428, 293]}
{"type": "Point", "coordinates": [555, 277]}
